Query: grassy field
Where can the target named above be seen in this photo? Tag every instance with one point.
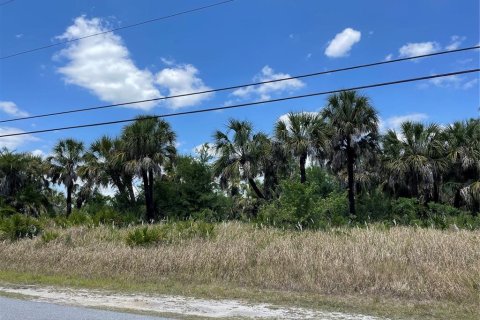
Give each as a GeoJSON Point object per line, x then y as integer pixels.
{"type": "Point", "coordinates": [422, 273]}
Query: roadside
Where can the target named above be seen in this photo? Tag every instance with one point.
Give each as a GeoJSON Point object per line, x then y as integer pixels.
{"type": "Point", "coordinates": [176, 306]}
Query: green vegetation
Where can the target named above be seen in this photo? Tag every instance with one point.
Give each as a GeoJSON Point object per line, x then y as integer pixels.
{"type": "Point", "coordinates": [327, 204]}
{"type": "Point", "coordinates": [316, 171]}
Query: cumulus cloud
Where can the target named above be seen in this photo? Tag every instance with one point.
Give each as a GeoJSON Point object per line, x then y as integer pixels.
{"type": "Point", "coordinates": [14, 141]}
{"type": "Point", "coordinates": [11, 108]}
{"type": "Point", "coordinates": [102, 65]}
{"type": "Point", "coordinates": [455, 42]}
{"type": "Point", "coordinates": [179, 80]}
{"type": "Point", "coordinates": [389, 57]}
{"type": "Point", "coordinates": [343, 42]}
{"type": "Point", "coordinates": [265, 91]}
{"type": "Point", "coordinates": [393, 123]}
{"type": "Point", "coordinates": [419, 48]}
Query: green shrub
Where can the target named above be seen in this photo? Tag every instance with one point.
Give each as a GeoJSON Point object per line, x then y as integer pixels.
{"type": "Point", "coordinates": [108, 216]}
{"type": "Point", "coordinates": [20, 226]}
{"type": "Point", "coordinates": [78, 218]}
{"type": "Point", "coordinates": [301, 206]}
{"type": "Point", "coordinates": [143, 236]}
{"type": "Point", "coordinates": [169, 233]}
{"type": "Point", "coordinates": [48, 236]}
{"type": "Point", "coordinates": [406, 211]}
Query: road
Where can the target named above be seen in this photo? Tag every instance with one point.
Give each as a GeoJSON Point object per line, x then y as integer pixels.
{"type": "Point", "coordinates": [13, 309]}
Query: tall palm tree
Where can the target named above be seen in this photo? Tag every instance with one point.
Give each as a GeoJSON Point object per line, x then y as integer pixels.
{"type": "Point", "coordinates": [302, 133]}
{"type": "Point", "coordinates": [237, 156]}
{"type": "Point", "coordinates": [148, 145]}
{"type": "Point", "coordinates": [353, 123]}
{"type": "Point", "coordinates": [64, 162]}
{"type": "Point", "coordinates": [414, 159]}
{"type": "Point", "coordinates": [103, 167]}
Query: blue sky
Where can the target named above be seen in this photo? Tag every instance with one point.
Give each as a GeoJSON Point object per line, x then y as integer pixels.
{"type": "Point", "coordinates": [231, 44]}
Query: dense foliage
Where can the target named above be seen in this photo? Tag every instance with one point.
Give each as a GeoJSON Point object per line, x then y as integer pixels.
{"type": "Point", "coordinates": [316, 170]}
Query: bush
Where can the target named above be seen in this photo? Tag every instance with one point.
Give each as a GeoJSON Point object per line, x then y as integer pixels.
{"type": "Point", "coordinates": [19, 226]}
{"type": "Point", "coordinates": [301, 206]}
{"type": "Point", "coordinates": [170, 233]}
{"type": "Point", "coordinates": [78, 218]}
{"type": "Point", "coordinates": [48, 236]}
{"type": "Point", "coordinates": [108, 216]}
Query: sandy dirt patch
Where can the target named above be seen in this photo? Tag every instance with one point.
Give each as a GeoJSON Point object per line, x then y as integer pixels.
{"type": "Point", "coordinates": [178, 305]}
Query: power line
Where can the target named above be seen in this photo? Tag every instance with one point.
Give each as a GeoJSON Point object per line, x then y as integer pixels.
{"type": "Point", "coordinates": [382, 84]}
{"type": "Point", "coordinates": [237, 86]}
{"type": "Point", "coordinates": [115, 29]}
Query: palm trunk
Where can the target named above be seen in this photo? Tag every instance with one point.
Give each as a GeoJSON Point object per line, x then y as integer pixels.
{"type": "Point", "coordinates": [351, 178]}
{"type": "Point", "coordinates": [69, 199]}
{"type": "Point", "coordinates": [255, 188]}
{"type": "Point", "coordinates": [150, 212]}
{"type": "Point", "coordinates": [150, 189]}
{"type": "Point", "coordinates": [457, 198]}
{"type": "Point", "coordinates": [131, 194]}
{"type": "Point", "coordinates": [303, 175]}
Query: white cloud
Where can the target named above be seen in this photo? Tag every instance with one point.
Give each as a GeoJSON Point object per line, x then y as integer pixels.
{"type": "Point", "coordinates": [39, 153]}
{"type": "Point", "coordinates": [470, 84]}
{"type": "Point", "coordinates": [419, 48]}
{"type": "Point", "coordinates": [18, 36]}
{"type": "Point", "coordinates": [341, 45]}
{"type": "Point", "coordinates": [453, 82]}
{"type": "Point", "coordinates": [167, 61]}
{"type": "Point", "coordinates": [182, 79]}
{"type": "Point", "coordinates": [102, 64]}
{"type": "Point", "coordinates": [11, 108]}
{"type": "Point", "coordinates": [208, 147]}
{"type": "Point", "coordinates": [265, 91]}
{"type": "Point", "coordinates": [455, 42]}
{"type": "Point", "coordinates": [309, 55]}
{"type": "Point", "coordinates": [389, 57]}
{"type": "Point", "coordinates": [14, 141]}
{"type": "Point", "coordinates": [393, 123]}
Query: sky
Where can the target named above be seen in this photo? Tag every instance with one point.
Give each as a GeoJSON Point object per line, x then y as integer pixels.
{"type": "Point", "coordinates": [230, 44]}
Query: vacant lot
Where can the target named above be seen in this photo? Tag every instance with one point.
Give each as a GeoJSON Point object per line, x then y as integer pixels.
{"type": "Point", "coordinates": [369, 265]}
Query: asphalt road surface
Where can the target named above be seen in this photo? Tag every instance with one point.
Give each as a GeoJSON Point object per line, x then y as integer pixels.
{"type": "Point", "coordinates": [14, 309]}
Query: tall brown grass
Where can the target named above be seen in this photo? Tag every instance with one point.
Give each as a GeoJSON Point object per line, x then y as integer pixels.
{"type": "Point", "coordinates": [400, 262]}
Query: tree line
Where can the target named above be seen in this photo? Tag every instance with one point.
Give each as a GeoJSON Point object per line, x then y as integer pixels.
{"type": "Point", "coordinates": [245, 168]}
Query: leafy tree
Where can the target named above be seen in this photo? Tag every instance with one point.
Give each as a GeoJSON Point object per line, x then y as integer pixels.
{"type": "Point", "coordinates": [148, 145]}
{"type": "Point", "coordinates": [187, 190]}
{"type": "Point", "coordinates": [354, 129]}
{"type": "Point", "coordinates": [64, 163]}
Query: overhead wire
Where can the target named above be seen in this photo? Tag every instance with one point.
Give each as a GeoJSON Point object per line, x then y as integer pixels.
{"type": "Point", "coordinates": [367, 65]}
{"type": "Point", "coordinates": [382, 84]}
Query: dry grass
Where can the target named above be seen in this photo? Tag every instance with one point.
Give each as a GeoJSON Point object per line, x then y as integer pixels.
{"type": "Point", "coordinates": [403, 263]}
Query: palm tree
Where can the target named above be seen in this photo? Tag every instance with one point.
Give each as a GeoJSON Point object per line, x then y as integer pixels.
{"type": "Point", "coordinates": [237, 156]}
{"type": "Point", "coordinates": [23, 184]}
{"type": "Point", "coordinates": [67, 157]}
{"type": "Point", "coordinates": [103, 167]}
{"type": "Point", "coordinates": [463, 153]}
{"type": "Point", "coordinates": [148, 145]}
{"type": "Point", "coordinates": [414, 159]}
{"type": "Point", "coordinates": [302, 133]}
{"type": "Point", "coordinates": [353, 123]}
